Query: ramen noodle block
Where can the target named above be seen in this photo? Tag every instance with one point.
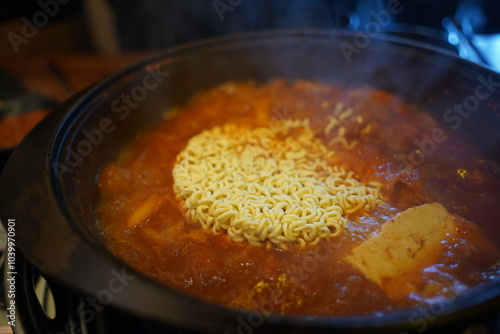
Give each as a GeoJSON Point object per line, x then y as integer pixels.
{"type": "Point", "coordinates": [271, 184]}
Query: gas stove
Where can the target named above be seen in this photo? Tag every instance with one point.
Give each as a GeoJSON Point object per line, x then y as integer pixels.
{"type": "Point", "coordinates": [469, 29]}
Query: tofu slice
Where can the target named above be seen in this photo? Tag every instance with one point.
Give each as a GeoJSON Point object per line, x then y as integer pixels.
{"type": "Point", "coordinates": [406, 244]}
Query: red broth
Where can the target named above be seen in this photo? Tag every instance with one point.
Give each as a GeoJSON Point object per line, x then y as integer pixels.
{"type": "Point", "coordinates": [315, 280]}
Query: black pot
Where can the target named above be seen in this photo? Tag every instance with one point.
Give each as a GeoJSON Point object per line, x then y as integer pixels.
{"type": "Point", "coordinates": [4, 156]}
{"type": "Point", "coordinates": [49, 184]}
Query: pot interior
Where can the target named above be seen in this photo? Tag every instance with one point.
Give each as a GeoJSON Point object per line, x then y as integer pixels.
{"type": "Point", "coordinates": [116, 111]}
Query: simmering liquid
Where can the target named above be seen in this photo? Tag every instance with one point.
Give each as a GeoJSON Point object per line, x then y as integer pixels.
{"type": "Point", "coordinates": [397, 145]}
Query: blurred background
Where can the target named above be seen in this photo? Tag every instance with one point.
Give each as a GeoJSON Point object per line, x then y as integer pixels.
{"type": "Point", "coordinates": [115, 26]}
{"type": "Point", "coordinates": [51, 49]}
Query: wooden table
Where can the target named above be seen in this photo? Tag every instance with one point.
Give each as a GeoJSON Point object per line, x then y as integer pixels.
{"type": "Point", "coordinates": [39, 74]}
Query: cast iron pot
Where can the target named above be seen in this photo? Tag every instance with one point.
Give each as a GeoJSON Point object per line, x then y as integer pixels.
{"type": "Point", "coordinates": [49, 184]}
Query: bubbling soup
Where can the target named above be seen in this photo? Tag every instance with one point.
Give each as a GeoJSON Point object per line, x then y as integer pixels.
{"type": "Point", "coordinates": [303, 198]}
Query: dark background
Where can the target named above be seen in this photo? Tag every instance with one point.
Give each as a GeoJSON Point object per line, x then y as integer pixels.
{"type": "Point", "coordinates": [155, 24]}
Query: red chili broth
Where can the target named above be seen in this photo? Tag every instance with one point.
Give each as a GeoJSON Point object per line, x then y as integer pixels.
{"type": "Point", "coordinates": [314, 280]}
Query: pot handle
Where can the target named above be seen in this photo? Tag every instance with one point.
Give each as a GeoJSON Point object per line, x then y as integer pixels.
{"type": "Point", "coordinates": [25, 311]}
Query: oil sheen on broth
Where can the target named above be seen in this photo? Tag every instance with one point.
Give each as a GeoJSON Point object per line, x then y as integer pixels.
{"type": "Point", "coordinates": [357, 263]}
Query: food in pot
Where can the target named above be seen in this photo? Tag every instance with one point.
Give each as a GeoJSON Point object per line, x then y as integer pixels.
{"type": "Point", "coordinates": [277, 184]}
{"type": "Point", "coordinates": [303, 198]}
{"type": "Point", "coordinates": [404, 246]}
